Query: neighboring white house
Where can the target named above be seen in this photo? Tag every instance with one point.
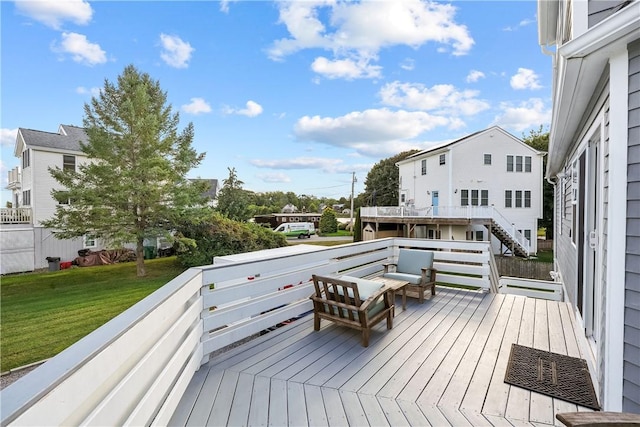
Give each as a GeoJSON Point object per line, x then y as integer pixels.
{"type": "Point", "coordinates": [594, 161]}
{"type": "Point", "coordinates": [465, 189]}
{"type": "Point", "coordinates": [25, 242]}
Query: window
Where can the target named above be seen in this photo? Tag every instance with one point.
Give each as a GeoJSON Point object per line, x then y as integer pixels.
{"type": "Point", "coordinates": [63, 198]}
{"type": "Point", "coordinates": [434, 234]}
{"type": "Point", "coordinates": [424, 166]}
{"type": "Point", "coordinates": [527, 234]}
{"type": "Point", "coordinates": [509, 163]}
{"type": "Point", "coordinates": [474, 197]}
{"type": "Point", "coordinates": [527, 199]}
{"type": "Point", "coordinates": [464, 197]}
{"type": "Point", "coordinates": [484, 197]}
{"type": "Point", "coordinates": [518, 198]}
{"type": "Point", "coordinates": [402, 198]}
{"type": "Point", "coordinates": [475, 235]}
{"type": "Point", "coordinates": [518, 163]}
{"type": "Point", "coordinates": [487, 159]}
{"type": "Point", "coordinates": [442, 159]}
{"type": "Point", "coordinates": [69, 162]}
{"type": "Point", "coordinates": [26, 198]}
{"type": "Point", "coordinates": [26, 159]}
{"type": "Point", "coordinates": [527, 164]}
{"type": "Point", "coordinates": [89, 241]}
{"type": "Point", "coordinates": [508, 194]}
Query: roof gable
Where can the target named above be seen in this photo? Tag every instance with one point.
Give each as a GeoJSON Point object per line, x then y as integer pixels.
{"type": "Point", "coordinates": [447, 146]}
{"type": "Point", "coordinates": [68, 138]}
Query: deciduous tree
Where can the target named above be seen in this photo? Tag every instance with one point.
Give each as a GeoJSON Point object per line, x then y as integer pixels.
{"type": "Point", "coordinates": [134, 185]}
{"type": "Point", "coordinates": [539, 139]}
{"type": "Point", "coordinates": [383, 181]}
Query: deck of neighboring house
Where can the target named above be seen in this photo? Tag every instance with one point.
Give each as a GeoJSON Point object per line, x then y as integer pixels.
{"type": "Point", "coordinates": [443, 363]}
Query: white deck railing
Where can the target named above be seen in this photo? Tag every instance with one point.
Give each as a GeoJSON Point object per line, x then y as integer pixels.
{"type": "Point", "coordinates": [134, 369]}
{"type": "Point", "coordinates": [445, 212]}
{"type": "Point", "coordinates": [15, 215]}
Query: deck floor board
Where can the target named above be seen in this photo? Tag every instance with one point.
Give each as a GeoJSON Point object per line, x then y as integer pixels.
{"type": "Point", "coordinates": [442, 363]}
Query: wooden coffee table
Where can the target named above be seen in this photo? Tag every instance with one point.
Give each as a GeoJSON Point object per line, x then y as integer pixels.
{"type": "Point", "coordinates": [395, 285]}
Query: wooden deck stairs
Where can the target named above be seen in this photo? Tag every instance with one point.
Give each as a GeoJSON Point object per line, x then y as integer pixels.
{"type": "Point", "coordinates": [507, 239]}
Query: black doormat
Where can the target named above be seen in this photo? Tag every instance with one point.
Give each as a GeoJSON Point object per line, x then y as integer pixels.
{"type": "Point", "coordinates": [553, 374]}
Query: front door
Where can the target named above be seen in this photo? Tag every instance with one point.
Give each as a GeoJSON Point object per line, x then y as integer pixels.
{"type": "Point", "coordinates": [434, 202]}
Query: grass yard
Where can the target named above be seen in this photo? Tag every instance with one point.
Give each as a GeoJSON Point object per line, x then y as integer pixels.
{"type": "Point", "coordinates": [44, 313]}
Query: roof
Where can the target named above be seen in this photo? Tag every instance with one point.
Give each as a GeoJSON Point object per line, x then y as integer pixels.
{"type": "Point", "coordinates": [440, 147]}
{"type": "Point", "coordinates": [67, 138]}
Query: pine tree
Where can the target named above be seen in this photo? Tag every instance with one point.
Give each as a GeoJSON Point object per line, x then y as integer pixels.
{"type": "Point", "coordinates": [134, 185]}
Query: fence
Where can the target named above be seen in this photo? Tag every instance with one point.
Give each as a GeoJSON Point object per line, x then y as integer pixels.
{"type": "Point", "coordinates": [524, 268]}
{"type": "Point", "coordinates": [545, 244]}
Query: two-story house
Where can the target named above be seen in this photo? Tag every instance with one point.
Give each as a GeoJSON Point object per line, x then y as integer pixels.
{"type": "Point", "coordinates": [594, 161]}
{"type": "Point", "coordinates": [25, 242]}
{"type": "Point", "coordinates": [484, 186]}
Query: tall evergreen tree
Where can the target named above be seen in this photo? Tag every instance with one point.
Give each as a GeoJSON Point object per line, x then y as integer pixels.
{"type": "Point", "coordinates": [233, 200]}
{"type": "Point", "coordinates": [134, 185]}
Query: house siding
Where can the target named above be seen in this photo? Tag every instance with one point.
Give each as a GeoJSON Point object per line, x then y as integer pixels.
{"type": "Point", "coordinates": [602, 9]}
{"type": "Point", "coordinates": [631, 356]}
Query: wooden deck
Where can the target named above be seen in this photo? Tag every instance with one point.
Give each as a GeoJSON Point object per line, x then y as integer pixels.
{"type": "Point", "coordinates": [443, 363]}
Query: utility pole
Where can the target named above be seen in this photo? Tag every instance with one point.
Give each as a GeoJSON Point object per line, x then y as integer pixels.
{"type": "Point", "coordinates": [353, 181]}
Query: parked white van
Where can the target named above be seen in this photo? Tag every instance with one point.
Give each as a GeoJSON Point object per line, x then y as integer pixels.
{"type": "Point", "coordinates": [296, 229]}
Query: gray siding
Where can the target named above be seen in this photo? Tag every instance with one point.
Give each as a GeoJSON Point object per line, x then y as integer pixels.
{"type": "Point", "coordinates": [631, 378]}
{"type": "Point", "coordinates": [601, 9]}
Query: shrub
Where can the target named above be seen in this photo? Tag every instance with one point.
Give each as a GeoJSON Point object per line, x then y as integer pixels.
{"type": "Point", "coordinates": [328, 222]}
{"type": "Point", "coordinates": [219, 236]}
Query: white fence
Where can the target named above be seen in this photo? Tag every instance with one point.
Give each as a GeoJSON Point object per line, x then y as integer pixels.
{"type": "Point", "coordinates": [134, 369]}
{"type": "Point", "coordinates": [541, 289]}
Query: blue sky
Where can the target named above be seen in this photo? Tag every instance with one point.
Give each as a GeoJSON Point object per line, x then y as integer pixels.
{"type": "Point", "coordinates": [295, 95]}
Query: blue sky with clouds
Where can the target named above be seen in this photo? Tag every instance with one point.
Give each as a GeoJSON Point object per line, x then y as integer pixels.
{"type": "Point", "coordinates": [294, 95]}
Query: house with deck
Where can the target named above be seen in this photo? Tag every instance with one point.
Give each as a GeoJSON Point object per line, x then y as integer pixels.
{"type": "Point", "coordinates": [486, 186]}
{"type": "Point", "coordinates": [25, 242]}
{"type": "Point", "coordinates": [594, 163]}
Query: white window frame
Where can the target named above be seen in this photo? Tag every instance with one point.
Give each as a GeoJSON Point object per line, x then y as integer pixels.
{"type": "Point", "coordinates": [89, 241]}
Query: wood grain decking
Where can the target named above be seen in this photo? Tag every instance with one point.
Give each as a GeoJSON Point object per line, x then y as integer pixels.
{"type": "Point", "coordinates": [443, 363]}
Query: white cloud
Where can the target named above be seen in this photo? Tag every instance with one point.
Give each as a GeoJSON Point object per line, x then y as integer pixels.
{"type": "Point", "coordinates": [442, 99]}
{"type": "Point", "coordinates": [525, 79]}
{"type": "Point", "coordinates": [358, 30]}
{"type": "Point", "coordinates": [408, 64]}
{"type": "Point", "coordinates": [527, 114]}
{"type": "Point", "coordinates": [370, 132]}
{"type": "Point", "coordinates": [523, 23]}
{"type": "Point", "coordinates": [474, 76]}
{"type": "Point", "coordinates": [273, 177]}
{"type": "Point", "coordinates": [197, 106]}
{"type": "Point", "coordinates": [224, 5]}
{"type": "Point", "coordinates": [81, 49]}
{"type": "Point", "coordinates": [252, 109]}
{"type": "Point", "coordinates": [53, 13]}
{"type": "Point", "coordinates": [175, 52]}
{"type": "Point", "coordinates": [328, 165]}
{"type": "Point", "coordinates": [345, 68]}
{"type": "Point", "coordinates": [8, 137]}
{"type": "Point", "coordinates": [94, 91]}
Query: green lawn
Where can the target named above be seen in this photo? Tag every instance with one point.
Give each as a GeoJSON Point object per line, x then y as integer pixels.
{"type": "Point", "coordinates": [44, 313]}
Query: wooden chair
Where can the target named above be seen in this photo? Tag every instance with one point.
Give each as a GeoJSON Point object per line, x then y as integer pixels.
{"type": "Point", "coordinates": [416, 267]}
{"type": "Point", "coordinates": [353, 302]}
